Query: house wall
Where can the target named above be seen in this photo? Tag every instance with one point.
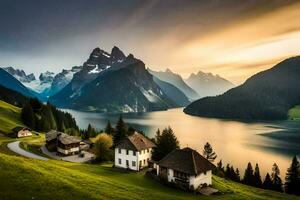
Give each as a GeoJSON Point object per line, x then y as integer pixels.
{"type": "Point", "coordinates": [203, 178]}
{"type": "Point", "coordinates": [123, 156]}
{"type": "Point", "coordinates": [142, 156]}
{"type": "Point", "coordinates": [68, 151]}
{"type": "Point", "coordinates": [24, 133]}
{"type": "Point", "coordinates": [195, 181]}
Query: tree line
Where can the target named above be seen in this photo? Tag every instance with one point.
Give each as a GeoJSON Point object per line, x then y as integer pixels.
{"type": "Point", "coordinates": [271, 181]}
{"type": "Point", "coordinates": [44, 117]}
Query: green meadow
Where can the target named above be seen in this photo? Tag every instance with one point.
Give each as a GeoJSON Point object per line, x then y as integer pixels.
{"type": "Point", "coordinates": [294, 113]}
{"type": "Point", "coordinates": [23, 178]}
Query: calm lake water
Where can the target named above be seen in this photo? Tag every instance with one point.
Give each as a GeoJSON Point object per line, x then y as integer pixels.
{"type": "Point", "coordinates": [235, 142]}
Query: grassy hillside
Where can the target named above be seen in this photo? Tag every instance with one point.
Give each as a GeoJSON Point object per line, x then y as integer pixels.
{"type": "Point", "coordinates": [9, 117]}
{"type": "Point", "coordinates": [23, 178]}
{"type": "Point", "coordinates": [63, 180]}
{"type": "Point", "coordinates": [294, 113]}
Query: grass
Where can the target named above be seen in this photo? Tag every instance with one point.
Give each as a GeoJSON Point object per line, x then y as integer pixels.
{"type": "Point", "coordinates": [9, 117]}
{"type": "Point", "coordinates": [23, 178]}
{"type": "Point", "coordinates": [294, 113]}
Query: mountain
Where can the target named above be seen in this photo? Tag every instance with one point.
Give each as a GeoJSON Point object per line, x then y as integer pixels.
{"type": "Point", "coordinates": [176, 80]}
{"type": "Point", "coordinates": [10, 82]}
{"type": "Point", "coordinates": [20, 74]}
{"type": "Point", "coordinates": [267, 95]}
{"type": "Point", "coordinates": [48, 82]}
{"type": "Point", "coordinates": [110, 82]}
{"type": "Point", "coordinates": [207, 84]}
{"type": "Point", "coordinates": [62, 79]}
{"type": "Point", "coordinates": [173, 92]}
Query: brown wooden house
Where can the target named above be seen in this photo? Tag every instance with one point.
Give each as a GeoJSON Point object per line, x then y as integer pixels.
{"type": "Point", "coordinates": [62, 143]}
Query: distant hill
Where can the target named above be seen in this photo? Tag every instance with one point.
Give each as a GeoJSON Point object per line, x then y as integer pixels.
{"type": "Point", "coordinates": [207, 84]}
{"type": "Point", "coordinates": [266, 95]}
{"type": "Point", "coordinates": [176, 80]}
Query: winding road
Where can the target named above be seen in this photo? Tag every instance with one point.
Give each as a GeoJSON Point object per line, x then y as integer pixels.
{"type": "Point", "coordinates": [14, 146]}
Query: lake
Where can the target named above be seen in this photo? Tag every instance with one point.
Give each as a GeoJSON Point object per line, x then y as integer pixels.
{"type": "Point", "coordinates": [235, 142]}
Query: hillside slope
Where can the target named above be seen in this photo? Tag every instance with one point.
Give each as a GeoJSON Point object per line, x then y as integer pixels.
{"type": "Point", "coordinates": [38, 180]}
{"type": "Point", "coordinates": [9, 117]}
{"type": "Point", "coordinates": [267, 95]}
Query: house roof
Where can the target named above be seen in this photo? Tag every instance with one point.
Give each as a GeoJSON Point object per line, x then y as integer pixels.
{"type": "Point", "coordinates": [19, 128]}
{"type": "Point", "coordinates": [63, 138]}
{"type": "Point", "coordinates": [186, 160]}
{"type": "Point", "coordinates": [135, 142]}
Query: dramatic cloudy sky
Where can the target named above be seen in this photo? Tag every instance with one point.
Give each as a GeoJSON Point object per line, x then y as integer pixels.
{"type": "Point", "coordinates": [229, 37]}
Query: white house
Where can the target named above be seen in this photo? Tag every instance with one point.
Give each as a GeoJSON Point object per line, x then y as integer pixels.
{"type": "Point", "coordinates": [22, 132]}
{"type": "Point", "coordinates": [134, 152]}
{"type": "Point", "coordinates": [187, 167]}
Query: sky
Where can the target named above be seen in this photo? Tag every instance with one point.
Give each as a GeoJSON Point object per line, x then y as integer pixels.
{"type": "Point", "coordinates": [232, 38]}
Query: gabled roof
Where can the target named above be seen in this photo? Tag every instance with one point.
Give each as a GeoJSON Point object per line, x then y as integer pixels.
{"type": "Point", "coordinates": [135, 142]}
{"type": "Point", "coordinates": [19, 128]}
{"type": "Point", "coordinates": [186, 160]}
{"type": "Point", "coordinates": [63, 138]}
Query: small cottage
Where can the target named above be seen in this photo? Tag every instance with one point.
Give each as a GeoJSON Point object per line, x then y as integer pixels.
{"type": "Point", "coordinates": [187, 168]}
{"type": "Point", "coordinates": [22, 132]}
{"type": "Point", "coordinates": [134, 152]}
{"type": "Point", "coordinates": [63, 143]}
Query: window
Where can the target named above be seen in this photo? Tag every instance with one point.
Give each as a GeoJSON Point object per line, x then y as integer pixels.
{"type": "Point", "coordinates": [133, 163]}
{"type": "Point", "coordinates": [120, 151]}
{"type": "Point", "coordinates": [127, 152]}
{"type": "Point", "coordinates": [127, 163]}
{"type": "Point", "coordinates": [134, 153]}
{"type": "Point", "coordinates": [140, 163]}
{"type": "Point", "coordinates": [144, 162]}
{"type": "Point", "coordinates": [147, 150]}
{"type": "Point", "coordinates": [120, 161]}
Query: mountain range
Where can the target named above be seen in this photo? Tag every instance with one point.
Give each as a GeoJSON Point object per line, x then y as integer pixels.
{"type": "Point", "coordinates": [266, 95]}
{"type": "Point", "coordinates": [109, 82]}
{"type": "Point", "coordinates": [207, 84]}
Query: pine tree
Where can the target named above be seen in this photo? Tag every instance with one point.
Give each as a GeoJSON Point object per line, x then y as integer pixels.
{"type": "Point", "coordinates": [257, 177]}
{"type": "Point", "coordinates": [91, 132]}
{"type": "Point", "coordinates": [228, 172]}
{"type": "Point", "coordinates": [249, 175]}
{"type": "Point", "coordinates": [237, 175]}
{"type": "Point", "coordinates": [292, 179]}
{"type": "Point", "coordinates": [267, 184]}
{"type": "Point", "coordinates": [276, 180]}
{"type": "Point", "coordinates": [109, 129]}
{"type": "Point", "coordinates": [165, 143]}
{"type": "Point", "coordinates": [209, 153]}
{"type": "Point", "coordinates": [121, 130]}
{"type": "Point", "coordinates": [28, 116]}
{"type": "Point", "coordinates": [220, 166]}
{"type": "Point", "coordinates": [219, 170]}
